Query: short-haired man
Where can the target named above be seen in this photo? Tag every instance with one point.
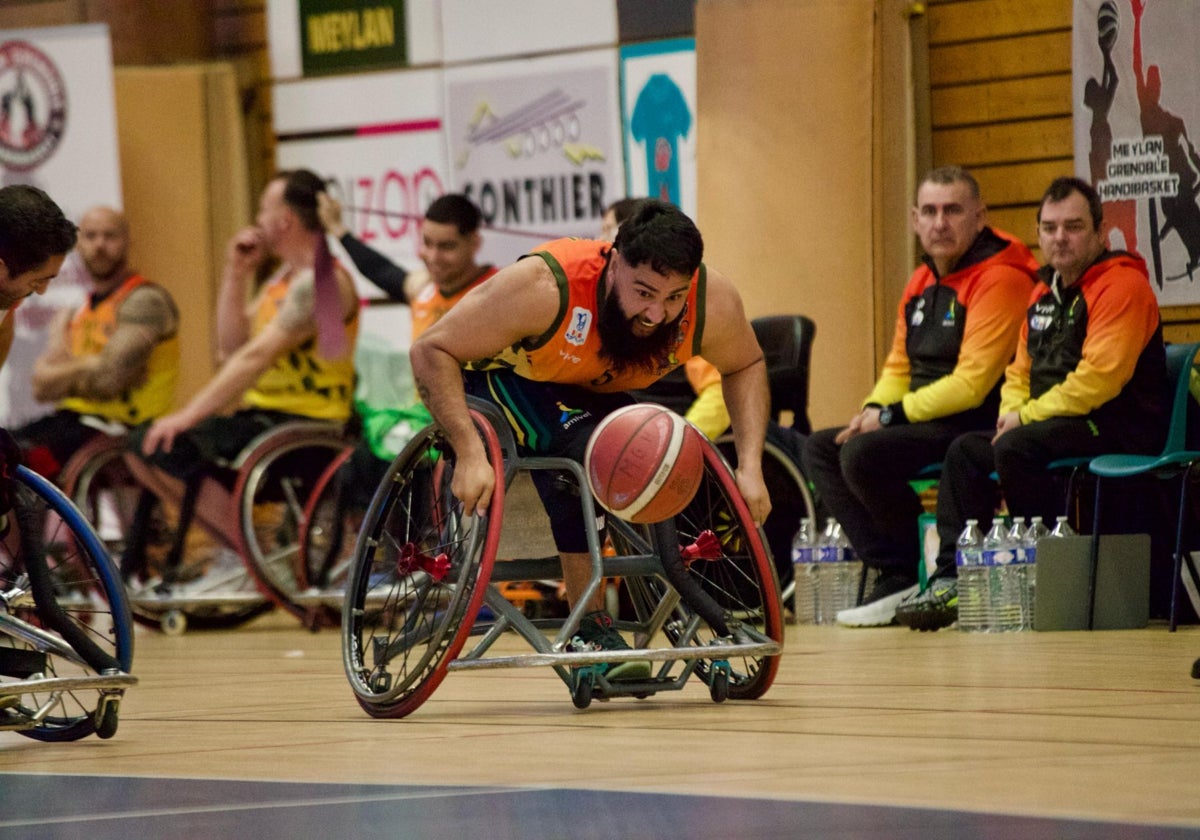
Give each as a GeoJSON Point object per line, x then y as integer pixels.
{"type": "Point", "coordinates": [956, 330]}
{"type": "Point", "coordinates": [112, 363]}
{"type": "Point", "coordinates": [286, 355]}
{"type": "Point", "coordinates": [1089, 377]}
{"type": "Point", "coordinates": [628, 312]}
{"type": "Point", "coordinates": [450, 243]}
{"type": "Point", "coordinates": [35, 238]}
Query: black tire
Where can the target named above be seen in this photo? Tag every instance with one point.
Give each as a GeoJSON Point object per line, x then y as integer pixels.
{"type": "Point", "coordinates": [51, 550]}
{"type": "Point", "coordinates": [419, 577]}
{"type": "Point", "coordinates": [272, 491]}
{"type": "Point", "coordinates": [738, 584]}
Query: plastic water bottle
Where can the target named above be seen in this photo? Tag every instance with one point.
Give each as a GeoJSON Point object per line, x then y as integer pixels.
{"type": "Point", "coordinates": [1007, 598]}
{"type": "Point", "coordinates": [848, 574]}
{"type": "Point", "coordinates": [836, 564]}
{"type": "Point", "coordinates": [804, 571]}
{"type": "Point", "coordinates": [1037, 531]}
{"type": "Point", "coordinates": [1016, 537]}
{"type": "Point", "coordinates": [1062, 528]}
{"type": "Point", "coordinates": [826, 555]}
{"type": "Point", "coordinates": [972, 580]}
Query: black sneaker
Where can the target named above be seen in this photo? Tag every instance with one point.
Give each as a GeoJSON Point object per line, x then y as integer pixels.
{"type": "Point", "coordinates": [878, 609]}
{"type": "Point", "coordinates": [596, 632]}
{"type": "Point", "coordinates": [933, 609]}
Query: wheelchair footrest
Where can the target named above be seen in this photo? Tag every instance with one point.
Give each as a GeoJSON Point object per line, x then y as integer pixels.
{"type": "Point", "coordinates": [670, 654]}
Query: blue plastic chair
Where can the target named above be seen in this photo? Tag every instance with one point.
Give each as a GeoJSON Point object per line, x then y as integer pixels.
{"type": "Point", "coordinates": [1176, 459]}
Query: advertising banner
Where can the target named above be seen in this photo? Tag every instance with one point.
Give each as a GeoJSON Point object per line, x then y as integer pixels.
{"type": "Point", "coordinates": [58, 133]}
{"type": "Point", "coordinates": [536, 144]}
{"type": "Point", "coordinates": [1136, 114]}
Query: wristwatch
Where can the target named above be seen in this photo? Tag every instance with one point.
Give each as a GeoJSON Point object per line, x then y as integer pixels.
{"type": "Point", "coordinates": [885, 415]}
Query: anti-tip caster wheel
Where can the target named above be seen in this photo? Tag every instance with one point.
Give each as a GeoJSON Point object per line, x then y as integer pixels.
{"type": "Point", "coordinates": [174, 623]}
{"type": "Point", "coordinates": [718, 685]}
{"type": "Point", "coordinates": [585, 683]}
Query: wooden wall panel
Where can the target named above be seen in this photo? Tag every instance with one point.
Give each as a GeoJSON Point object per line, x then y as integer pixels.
{"type": "Point", "coordinates": [1000, 98]}
{"type": "Point", "coordinates": [976, 20]}
{"type": "Point", "coordinates": [784, 140]}
{"type": "Point", "coordinates": [1000, 101]}
{"type": "Point", "coordinates": [1003, 58]}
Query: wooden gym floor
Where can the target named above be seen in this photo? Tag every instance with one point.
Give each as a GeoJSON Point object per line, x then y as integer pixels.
{"type": "Point", "coordinates": [254, 733]}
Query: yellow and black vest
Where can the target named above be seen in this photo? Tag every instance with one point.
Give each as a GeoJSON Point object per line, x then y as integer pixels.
{"type": "Point", "coordinates": [89, 331]}
{"type": "Point", "coordinates": [301, 381]}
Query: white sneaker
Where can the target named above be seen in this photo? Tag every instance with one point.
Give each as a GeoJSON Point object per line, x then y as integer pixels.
{"type": "Point", "coordinates": [877, 613]}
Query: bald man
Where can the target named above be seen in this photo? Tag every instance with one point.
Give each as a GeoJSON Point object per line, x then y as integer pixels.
{"type": "Point", "coordinates": [113, 363]}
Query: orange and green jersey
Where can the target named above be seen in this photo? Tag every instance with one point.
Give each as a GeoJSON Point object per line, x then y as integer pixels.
{"type": "Point", "coordinates": [568, 352]}
{"type": "Point", "coordinates": [430, 304]}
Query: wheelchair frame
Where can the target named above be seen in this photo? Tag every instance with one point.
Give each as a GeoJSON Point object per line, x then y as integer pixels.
{"type": "Point", "coordinates": [427, 585]}
{"type": "Point", "coordinates": [222, 595]}
{"type": "Point", "coordinates": [65, 624]}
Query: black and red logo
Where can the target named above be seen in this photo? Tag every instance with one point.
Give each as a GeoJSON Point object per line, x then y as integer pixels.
{"type": "Point", "coordinates": [33, 106]}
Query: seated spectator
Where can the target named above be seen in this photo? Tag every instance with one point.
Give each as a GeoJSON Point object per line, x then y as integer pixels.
{"type": "Point", "coordinates": [112, 363]}
{"type": "Point", "coordinates": [956, 330]}
{"type": "Point", "coordinates": [1089, 378]}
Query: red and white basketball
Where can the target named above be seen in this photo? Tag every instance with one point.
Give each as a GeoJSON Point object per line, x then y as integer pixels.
{"type": "Point", "coordinates": [644, 463]}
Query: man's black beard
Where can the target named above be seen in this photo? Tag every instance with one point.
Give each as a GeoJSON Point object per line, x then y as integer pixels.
{"type": "Point", "coordinates": [624, 350]}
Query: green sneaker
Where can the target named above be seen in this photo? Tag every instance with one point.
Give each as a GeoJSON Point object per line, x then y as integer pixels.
{"type": "Point", "coordinates": [596, 632]}
{"type": "Point", "coordinates": [933, 609]}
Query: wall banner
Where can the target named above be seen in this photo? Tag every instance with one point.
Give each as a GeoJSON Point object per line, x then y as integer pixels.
{"type": "Point", "coordinates": [1136, 112]}
{"type": "Point", "coordinates": [58, 133]}
{"type": "Point", "coordinates": [337, 36]}
{"type": "Point", "coordinates": [536, 144]}
{"type": "Point", "coordinates": [658, 107]}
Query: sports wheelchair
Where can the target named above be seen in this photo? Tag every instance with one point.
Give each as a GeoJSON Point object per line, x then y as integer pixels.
{"type": "Point", "coordinates": [703, 590]}
{"type": "Point", "coordinates": [66, 635]}
{"type": "Point", "coordinates": [239, 560]}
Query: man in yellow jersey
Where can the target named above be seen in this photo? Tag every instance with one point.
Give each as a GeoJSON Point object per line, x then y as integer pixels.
{"type": "Point", "coordinates": [112, 363]}
{"type": "Point", "coordinates": [285, 355]}
{"type": "Point", "coordinates": [559, 337]}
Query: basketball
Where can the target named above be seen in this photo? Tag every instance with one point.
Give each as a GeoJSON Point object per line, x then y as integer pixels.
{"type": "Point", "coordinates": [1108, 23]}
{"type": "Point", "coordinates": [644, 463]}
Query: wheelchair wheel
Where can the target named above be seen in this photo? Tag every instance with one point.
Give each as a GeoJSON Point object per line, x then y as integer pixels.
{"type": "Point", "coordinates": [420, 573]}
{"type": "Point", "coordinates": [737, 587]}
{"type": "Point", "coordinates": [328, 528]}
{"type": "Point", "coordinates": [73, 593]}
{"type": "Point", "coordinates": [109, 497]}
{"type": "Point", "coordinates": [791, 501]}
{"type": "Point", "coordinates": [272, 489]}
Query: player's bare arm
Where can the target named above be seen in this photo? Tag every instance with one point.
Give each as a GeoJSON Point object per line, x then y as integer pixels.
{"type": "Point", "coordinates": [519, 301]}
{"type": "Point", "coordinates": [729, 343]}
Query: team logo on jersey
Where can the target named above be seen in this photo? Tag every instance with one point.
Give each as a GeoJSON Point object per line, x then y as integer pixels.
{"type": "Point", "coordinates": [581, 325]}
{"type": "Point", "coordinates": [33, 106]}
{"type": "Point", "coordinates": [1042, 317]}
{"type": "Point", "coordinates": [918, 316]}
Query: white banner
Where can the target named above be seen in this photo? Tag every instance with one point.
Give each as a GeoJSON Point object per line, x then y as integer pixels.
{"type": "Point", "coordinates": [536, 144]}
{"type": "Point", "coordinates": [1136, 108]}
{"type": "Point", "coordinates": [58, 133]}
